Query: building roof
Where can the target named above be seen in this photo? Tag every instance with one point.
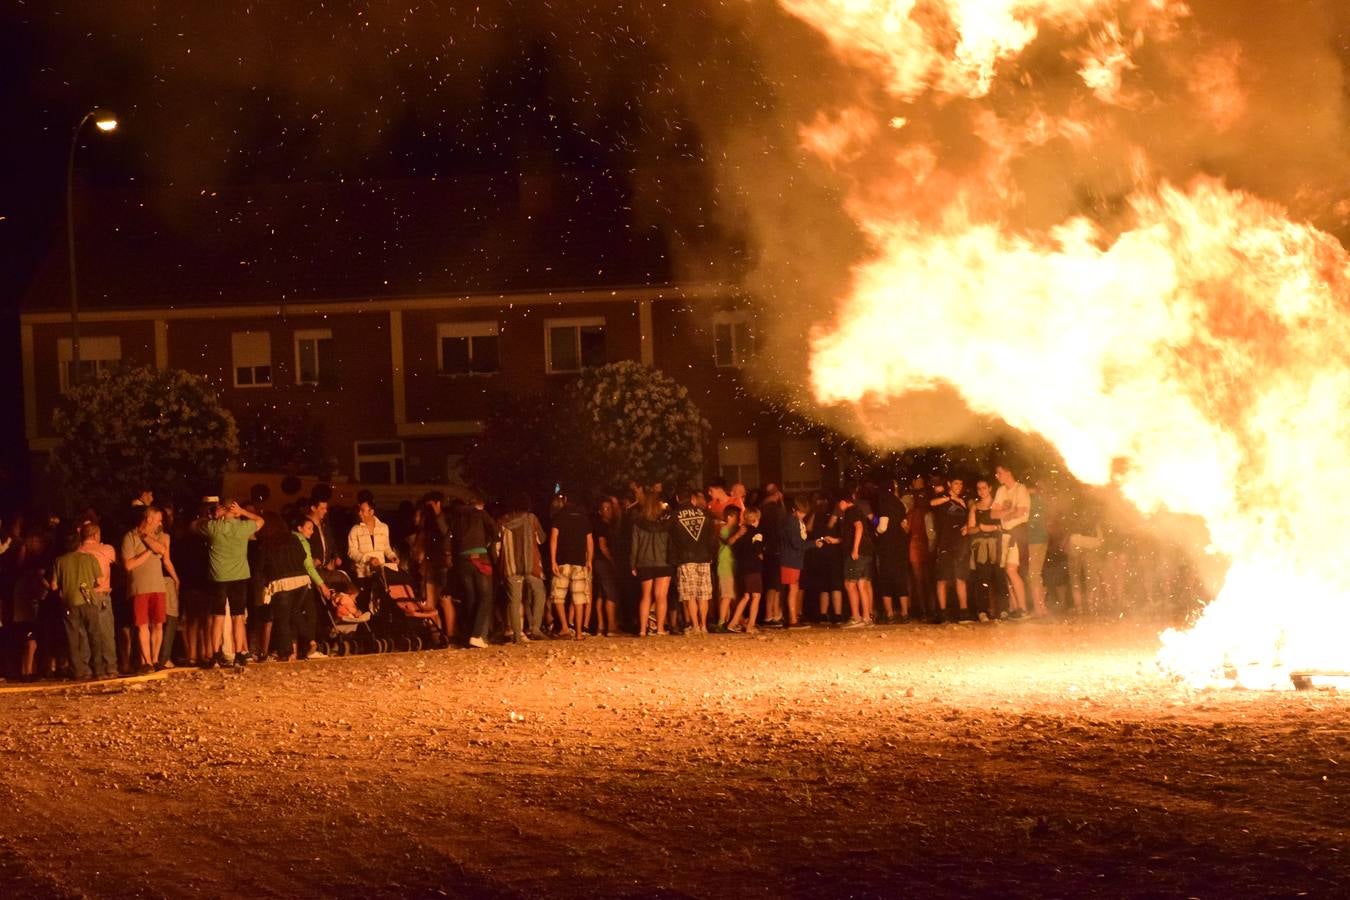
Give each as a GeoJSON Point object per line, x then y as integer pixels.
{"type": "Point", "coordinates": [321, 241]}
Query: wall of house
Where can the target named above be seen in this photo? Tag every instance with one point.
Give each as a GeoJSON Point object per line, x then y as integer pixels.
{"type": "Point", "coordinates": [439, 413]}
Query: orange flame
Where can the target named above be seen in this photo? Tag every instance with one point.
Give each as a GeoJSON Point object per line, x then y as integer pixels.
{"type": "Point", "coordinates": [1200, 337]}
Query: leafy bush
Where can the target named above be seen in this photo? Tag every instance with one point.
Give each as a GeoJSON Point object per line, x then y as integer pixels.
{"type": "Point", "coordinates": [637, 424]}
{"type": "Point", "coordinates": [141, 427]}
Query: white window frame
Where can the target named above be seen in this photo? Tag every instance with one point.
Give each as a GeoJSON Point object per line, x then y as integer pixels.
{"type": "Point", "coordinates": [793, 467]}
{"type": "Point", "coordinates": [739, 356]}
{"type": "Point", "coordinates": [104, 350]}
{"type": "Point", "coordinates": [310, 334]}
{"type": "Point", "coordinates": [398, 466]}
{"type": "Point", "coordinates": [739, 453]}
{"type": "Point", "coordinates": [578, 324]}
{"type": "Point", "coordinates": [235, 363]}
{"type": "Point", "coordinates": [469, 330]}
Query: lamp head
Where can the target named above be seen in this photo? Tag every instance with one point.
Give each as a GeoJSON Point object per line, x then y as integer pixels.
{"type": "Point", "coordinates": [104, 120]}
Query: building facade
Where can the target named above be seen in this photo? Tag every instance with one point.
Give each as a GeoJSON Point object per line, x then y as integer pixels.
{"type": "Point", "coordinates": [401, 385]}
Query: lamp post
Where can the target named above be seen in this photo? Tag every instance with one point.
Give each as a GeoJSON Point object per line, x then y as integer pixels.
{"type": "Point", "coordinates": [104, 121]}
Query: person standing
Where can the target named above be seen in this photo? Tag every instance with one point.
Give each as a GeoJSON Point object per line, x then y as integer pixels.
{"type": "Point", "coordinates": [571, 546]}
{"type": "Point", "coordinates": [650, 561]}
{"type": "Point", "coordinates": [772, 516]}
{"type": "Point", "coordinates": [607, 568]}
{"type": "Point", "coordinates": [289, 575]}
{"type": "Point", "coordinates": [727, 534]}
{"type": "Point", "coordinates": [523, 569]}
{"type": "Point", "coordinates": [951, 561]}
{"type": "Point", "coordinates": [145, 556]}
{"type": "Point", "coordinates": [859, 549]}
{"type": "Point", "coordinates": [474, 538]}
{"type": "Point", "coordinates": [227, 534]}
{"type": "Point", "coordinates": [792, 555]}
{"type": "Point", "coordinates": [985, 540]}
{"type": "Point", "coordinates": [430, 551]}
{"type": "Point", "coordinates": [1038, 546]}
{"type": "Point", "coordinates": [694, 539]}
{"type": "Point", "coordinates": [892, 553]}
{"type": "Point", "coordinates": [1012, 511]}
{"type": "Point", "coordinates": [77, 575]}
{"type": "Point", "coordinates": [747, 550]}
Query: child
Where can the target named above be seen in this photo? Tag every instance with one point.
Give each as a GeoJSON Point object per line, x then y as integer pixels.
{"type": "Point", "coordinates": [792, 557]}
{"type": "Point", "coordinates": [747, 549]}
{"type": "Point", "coordinates": [726, 565]}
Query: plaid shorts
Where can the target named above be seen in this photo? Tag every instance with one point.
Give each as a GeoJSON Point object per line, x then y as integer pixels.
{"type": "Point", "coordinates": [577, 579]}
{"type": "Point", "coordinates": [695, 582]}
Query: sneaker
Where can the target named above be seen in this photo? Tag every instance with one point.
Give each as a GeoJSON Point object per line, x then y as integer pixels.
{"type": "Point", "coordinates": [852, 623]}
{"type": "Point", "coordinates": [984, 617]}
{"type": "Point", "coordinates": [477, 642]}
{"type": "Point", "coordinates": [220, 660]}
{"type": "Point", "coordinates": [521, 639]}
{"type": "Point", "coordinates": [241, 659]}
{"type": "Point", "coordinates": [316, 654]}
{"type": "Point", "coordinates": [799, 625]}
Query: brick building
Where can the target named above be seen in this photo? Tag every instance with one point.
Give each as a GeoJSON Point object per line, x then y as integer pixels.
{"type": "Point", "coordinates": [393, 312]}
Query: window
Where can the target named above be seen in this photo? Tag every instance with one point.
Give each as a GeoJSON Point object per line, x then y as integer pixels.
{"type": "Point", "coordinates": [97, 355]}
{"type": "Point", "coordinates": [467, 348]}
{"type": "Point", "coordinates": [379, 462]}
{"type": "Point", "coordinates": [738, 460]}
{"type": "Point", "coordinates": [251, 352]}
{"type": "Point", "coordinates": [801, 465]}
{"type": "Point", "coordinates": [574, 344]}
{"type": "Point", "coordinates": [315, 363]}
{"type": "Point", "coordinates": [733, 339]}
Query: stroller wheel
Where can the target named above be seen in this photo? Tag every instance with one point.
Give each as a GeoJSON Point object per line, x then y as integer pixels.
{"type": "Point", "coordinates": [416, 643]}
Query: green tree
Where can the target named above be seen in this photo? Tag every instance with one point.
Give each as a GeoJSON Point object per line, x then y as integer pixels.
{"type": "Point", "coordinates": [141, 427]}
{"type": "Point", "coordinates": [635, 423]}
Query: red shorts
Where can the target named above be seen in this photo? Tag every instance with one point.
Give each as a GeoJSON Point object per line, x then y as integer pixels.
{"type": "Point", "coordinates": [789, 576]}
{"type": "Point", "coordinates": [147, 609]}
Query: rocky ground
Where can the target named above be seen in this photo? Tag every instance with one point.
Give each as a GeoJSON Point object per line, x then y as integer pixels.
{"type": "Point", "coordinates": [1011, 760]}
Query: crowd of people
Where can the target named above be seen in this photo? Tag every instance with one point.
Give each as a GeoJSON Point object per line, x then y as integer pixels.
{"type": "Point", "coordinates": [99, 596]}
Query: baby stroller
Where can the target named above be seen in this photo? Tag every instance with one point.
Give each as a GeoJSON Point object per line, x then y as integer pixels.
{"type": "Point", "coordinates": [404, 621]}
{"type": "Point", "coordinates": [343, 626]}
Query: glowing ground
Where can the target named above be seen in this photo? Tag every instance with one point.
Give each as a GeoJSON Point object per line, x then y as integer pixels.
{"type": "Point", "coordinates": [1034, 759]}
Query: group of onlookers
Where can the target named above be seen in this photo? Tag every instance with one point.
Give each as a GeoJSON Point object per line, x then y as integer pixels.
{"type": "Point", "coordinates": [101, 596]}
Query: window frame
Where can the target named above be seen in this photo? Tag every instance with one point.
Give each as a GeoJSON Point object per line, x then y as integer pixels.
{"type": "Point", "coordinates": [469, 330]}
{"type": "Point", "coordinates": [310, 334]}
{"type": "Point", "coordinates": [791, 485]}
{"type": "Point", "coordinates": [397, 461]}
{"type": "Point", "coordinates": [577, 324]}
{"type": "Point", "coordinates": [736, 447]}
{"type": "Point", "coordinates": [730, 319]}
{"type": "Point", "coordinates": [65, 353]}
{"type": "Point", "coordinates": [235, 366]}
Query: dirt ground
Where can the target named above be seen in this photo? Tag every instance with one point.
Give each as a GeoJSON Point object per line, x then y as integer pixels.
{"type": "Point", "coordinates": [1046, 760]}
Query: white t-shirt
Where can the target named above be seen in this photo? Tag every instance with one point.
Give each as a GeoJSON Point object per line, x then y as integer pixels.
{"type": "Point", "coordinates": [1017, 496]}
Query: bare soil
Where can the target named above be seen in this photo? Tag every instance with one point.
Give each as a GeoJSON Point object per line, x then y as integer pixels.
{"type": "Point", "coordinates": [1047, 760]}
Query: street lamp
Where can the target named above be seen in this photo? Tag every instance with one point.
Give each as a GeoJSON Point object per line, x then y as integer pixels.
{"type": "Point", "coordinates": [105, 122]}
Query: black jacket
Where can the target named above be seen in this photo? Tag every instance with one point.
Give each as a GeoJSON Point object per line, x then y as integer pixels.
{"type": "Point", "coordinates": [694, 535]}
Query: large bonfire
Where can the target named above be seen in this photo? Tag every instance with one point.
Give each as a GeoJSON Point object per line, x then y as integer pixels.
{"type": "Point", "coordinates": [1188, 340]}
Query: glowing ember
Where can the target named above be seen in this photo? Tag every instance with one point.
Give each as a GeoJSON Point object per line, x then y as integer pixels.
{"type": "Point", "coordinates": [1190, 344]}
